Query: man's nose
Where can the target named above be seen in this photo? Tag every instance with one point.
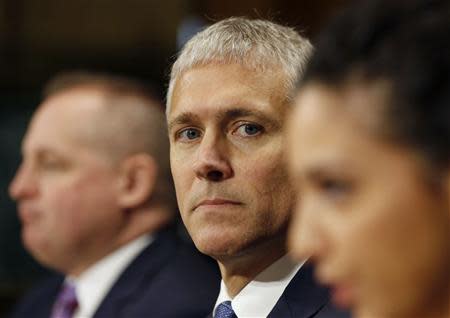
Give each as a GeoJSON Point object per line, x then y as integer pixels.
{"type": "Point", "coordinates": [23, 184]}
{"type": "Point", "coordinates": [213, 162]}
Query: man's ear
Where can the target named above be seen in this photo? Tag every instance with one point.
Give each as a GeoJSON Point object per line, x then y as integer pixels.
{"type": "Point", "coordinates": [138, 175]}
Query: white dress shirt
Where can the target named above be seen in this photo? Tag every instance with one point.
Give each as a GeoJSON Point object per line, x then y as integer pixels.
{"type": "Point", "coordinates": [94, 283]}
{"type": "Point", "coordinates": [257, 298]}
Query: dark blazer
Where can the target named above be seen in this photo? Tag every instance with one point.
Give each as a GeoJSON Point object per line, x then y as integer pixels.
{"type": "Point", "coordinates": [168, 279]}
{"type": "Point", "coordinates": [305, 298]}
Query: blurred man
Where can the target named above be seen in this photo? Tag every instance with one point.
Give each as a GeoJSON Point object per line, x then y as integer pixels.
{"type": "Point", "coordinates": [228, 94]}
{"type": "Point", "coordinates": [96, 204]}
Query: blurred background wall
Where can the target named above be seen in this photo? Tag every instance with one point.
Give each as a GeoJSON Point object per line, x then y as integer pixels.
{"type": "Point", "coordinates": [39, 38]}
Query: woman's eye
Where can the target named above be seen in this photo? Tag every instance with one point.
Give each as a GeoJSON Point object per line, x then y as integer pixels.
{"type": "Point", "coordinates": [335, 188]}
{"type": "Point", "coordinates": [249, 130]}
{"type": "Point", "coordinates": [189, 134]}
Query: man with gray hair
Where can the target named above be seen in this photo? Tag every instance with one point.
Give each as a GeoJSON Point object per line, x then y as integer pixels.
{"type": "Point", "coordinates": [228, 94]}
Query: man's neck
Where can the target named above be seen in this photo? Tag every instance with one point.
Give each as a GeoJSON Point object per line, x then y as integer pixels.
{"type": "Point", "coordinates": [238, 271]}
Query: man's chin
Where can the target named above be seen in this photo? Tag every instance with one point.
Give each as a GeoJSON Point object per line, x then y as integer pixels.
{"type": "Point", "coordinates": [219, 248]}
{"type": "Point", "coordinates": [30, 240]}
{"type": "Point", "coordinates": [36, 246]}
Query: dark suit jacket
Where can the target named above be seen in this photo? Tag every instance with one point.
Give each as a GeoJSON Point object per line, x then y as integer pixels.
{"type": "Point", "coordinates": [304, 298]}
{"type": "Point", "coordinates": [168, 279]}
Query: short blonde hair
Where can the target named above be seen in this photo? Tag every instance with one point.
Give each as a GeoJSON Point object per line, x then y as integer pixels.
{"type": "Point", "coordinates": [255, 44]}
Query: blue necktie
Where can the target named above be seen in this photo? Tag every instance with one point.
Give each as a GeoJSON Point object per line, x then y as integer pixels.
{"type": "Point", "coordinates": [224, 310]}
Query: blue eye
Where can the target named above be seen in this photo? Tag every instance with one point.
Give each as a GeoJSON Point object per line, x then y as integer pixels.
{"type": "Point", "coordinates": [249, 129]}
{"type": "Point", "coordinates": [189, 134]}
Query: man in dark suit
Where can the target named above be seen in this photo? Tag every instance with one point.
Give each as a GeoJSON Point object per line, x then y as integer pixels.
{"type": "Point", "coordinates": [228, 94]}
{"type": "Point", "coordinates": [96, 204]}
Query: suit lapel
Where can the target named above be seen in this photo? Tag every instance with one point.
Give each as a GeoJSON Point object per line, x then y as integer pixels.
{"type": "Point", "coordinates": [302, 298]}
{"type": "Point", "coordinates": [136, 276]}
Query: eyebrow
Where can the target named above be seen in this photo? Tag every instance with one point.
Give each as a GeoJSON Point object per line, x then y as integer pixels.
{"type": "Point", "coordinates": [44, 151]}
{"type": "Point", "coordinates": [321, 169]}
{"type": "Point", "coordinates": [238, 112]}
{"type": "Point", "coordinates": [183, 118]}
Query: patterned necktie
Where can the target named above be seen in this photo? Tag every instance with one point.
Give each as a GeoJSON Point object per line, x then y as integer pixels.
{"type": "Point", "coordinates": [224, 310]}
{"type": "Point", "coordinates": [66, 303]}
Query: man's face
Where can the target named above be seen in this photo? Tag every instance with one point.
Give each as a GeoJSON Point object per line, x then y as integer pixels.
{"type": "Point", "coordinates": [368, 216]}
{"type": "Point", "coordinates": [65, 189]}
{"type": "Point", "coordinates": [225, 129]}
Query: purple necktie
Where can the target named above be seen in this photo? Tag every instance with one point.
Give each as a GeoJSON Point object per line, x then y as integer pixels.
{"type": "Point", "coordinates": [66, 303]}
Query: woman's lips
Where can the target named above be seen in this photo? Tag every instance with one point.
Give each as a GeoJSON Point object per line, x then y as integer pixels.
{"type": "Point", "coordinates": [342, 290]}
{"type": "Point", "coordinates": [342, 295]}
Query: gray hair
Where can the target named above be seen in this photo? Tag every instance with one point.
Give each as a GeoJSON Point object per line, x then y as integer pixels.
{"type": "Point", "coordinates": [255, 44]}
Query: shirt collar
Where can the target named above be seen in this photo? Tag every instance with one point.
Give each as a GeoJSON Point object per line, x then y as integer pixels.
{"type": "Point", "coordinates": [94, 283]}
{"type": "Point", "coordinates": [258, 297]}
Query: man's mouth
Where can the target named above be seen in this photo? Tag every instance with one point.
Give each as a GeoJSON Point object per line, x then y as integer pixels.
{"type": "Point", "coordinates": [216, 202]}
{"type": "Point", "coordinates": [27, 214]}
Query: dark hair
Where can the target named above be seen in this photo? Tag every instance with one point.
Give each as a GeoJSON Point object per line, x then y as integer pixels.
{"type": "Point", "coordinates": [407, 43]}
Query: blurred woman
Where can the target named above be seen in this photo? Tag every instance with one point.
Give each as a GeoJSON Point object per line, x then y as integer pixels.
{"type": "Point", "coordinates": [369, 151]}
